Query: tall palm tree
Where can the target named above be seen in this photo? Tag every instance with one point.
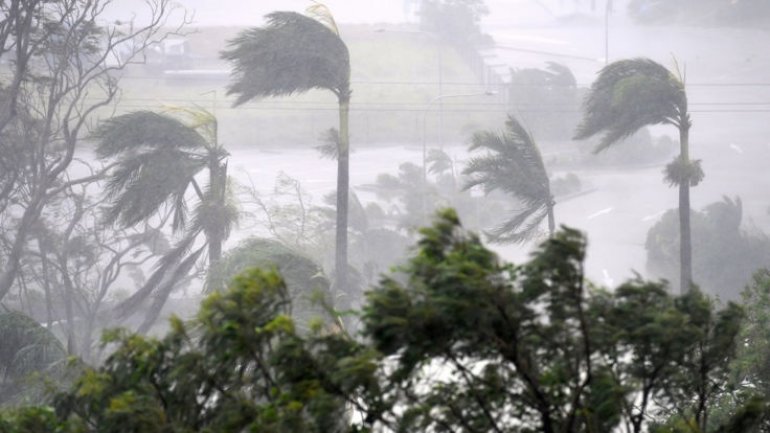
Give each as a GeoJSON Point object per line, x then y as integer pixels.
{"type": "Point", "coordinates": [513, 164]}
{"type": "Point", "coordinates": [630, 94]}
{"type": "Point", "coordinates": [157, 158]}
{"type": "Point", "coordinates": [294, 53]}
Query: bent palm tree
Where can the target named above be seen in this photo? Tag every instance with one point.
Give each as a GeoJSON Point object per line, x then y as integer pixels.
{"type": "Point", "coordinates": [295, 53]}
{"type": "Point", "coordinates": [513, 165]}
{"type": "Point", "coordinates": [157, 158]}
{"type": "Point", "coordinates": [631, 94]}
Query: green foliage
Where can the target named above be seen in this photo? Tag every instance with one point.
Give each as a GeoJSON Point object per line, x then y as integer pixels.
{"type": "Point", "coordinates": [476, 345]}
{"type": "Point", "coordinates": [307, 286]}
{"type": "Point", "coordinates": [462, 342]}
{"type": "Point", "coordinates": [33, 420]}
{"type": "Point", "coordinates": [513, 165]}
{"type": "Point", "coordinates": [753, 365]}
{"type": "Point", "coordinates": [679, 172]}
{"type": "Point", "coordinates": [293, 53]}
{"type": "Point", "coordinates": [239, 366]}
{"type": "Point", "coordinates": [725, 255]}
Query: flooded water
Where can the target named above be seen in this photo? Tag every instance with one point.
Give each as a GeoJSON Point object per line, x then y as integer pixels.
{"type": "Point", "coordinates": [622, 206]}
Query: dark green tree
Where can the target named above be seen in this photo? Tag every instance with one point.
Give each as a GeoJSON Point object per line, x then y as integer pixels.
{"type": "Point", "coordinates": [631, 94]}
{"type": "Point", "coordinates": [295, 53]}
{"type": "Point", "coordinates": [513, 165]}
{"type": "Point", "coordinates": [239, 366]}
{"type": "Point", "coordinates": [474, 344]}
{"type": "Point", "coordinates": [156, 160]}
{"type": "Point", "coordinates": [458, 342]}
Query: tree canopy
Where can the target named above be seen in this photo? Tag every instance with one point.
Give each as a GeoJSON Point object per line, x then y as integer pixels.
{"type": "Point", "coordinates": [293, 53]}
{"type": "Point", "coordinates": [461, 342]}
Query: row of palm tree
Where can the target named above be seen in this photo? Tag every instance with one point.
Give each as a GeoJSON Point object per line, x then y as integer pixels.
{"type": "Point", "coordinates": [295, 53]}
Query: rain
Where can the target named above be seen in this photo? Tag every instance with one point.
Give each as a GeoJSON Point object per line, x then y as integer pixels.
{"type": "Point", "coordinates": [412, 215]}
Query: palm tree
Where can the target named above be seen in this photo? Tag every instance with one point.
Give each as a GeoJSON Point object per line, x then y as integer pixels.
{"type": "Point", "coordinates": [513, 165]}
{"type": "Point", "coordinates": [157, 158]}
{"type": "Point", "coordinates": [294, 53]}
{"type": "Point", "coordinates": [630, 94]}
{"type": "Point", "coordinates": [27, 348]}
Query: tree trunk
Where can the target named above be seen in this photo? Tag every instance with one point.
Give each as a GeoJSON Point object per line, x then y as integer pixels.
{"type": "Point", "coordinates": [343, 186]}
{"type": "Point", "coordinates": [218, 184]}
{"type": "Point", "coordinates": [551, 219]}
{"type": "Point", "coordinates": [685, 240]}
{"type": "Point", "coordinates": [13, 260]}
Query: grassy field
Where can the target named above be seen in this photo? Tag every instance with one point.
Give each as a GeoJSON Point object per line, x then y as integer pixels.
{"type": "Point", "coordinates": [395, 74]}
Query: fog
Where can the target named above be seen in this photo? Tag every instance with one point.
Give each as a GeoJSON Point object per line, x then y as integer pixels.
{"type": "Point", "coordinates": [151, 151]}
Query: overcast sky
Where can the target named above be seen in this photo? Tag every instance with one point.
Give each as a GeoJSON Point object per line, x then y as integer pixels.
{"type": "Point", "coordinates": [250, 12]}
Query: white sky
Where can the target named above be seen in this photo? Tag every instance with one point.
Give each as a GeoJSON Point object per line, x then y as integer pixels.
{"type": "Point", "coordinates": [250, 12]}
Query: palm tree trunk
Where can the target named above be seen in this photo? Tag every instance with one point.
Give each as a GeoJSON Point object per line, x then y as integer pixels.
{"type": "Point", "coordinates": [685, 240]}
{"type": "Point", "coordinates": [551, 219]}
{"type": "Point", "coordinates": [218, 185]}
{"type": "Point", "coordinates": [343, 186]}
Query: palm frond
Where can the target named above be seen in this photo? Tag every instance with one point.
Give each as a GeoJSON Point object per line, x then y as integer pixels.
{"type": "Point", "coordinates": [521, 227]}
{"type": "Point", "coordinates": [215, 216]}
{"type": "Point", "coordinates": [628, 95]}
{"type": "Point", "coordinates": [438, 161]}
{"type": "Point", "coordinates": [132, 131]}
{"type": "Point", "coordinates": [200, 120]}
{"type": "Point", "coordinates": [292, 53]}
{"type": "Point", "coordinates": [321, 13]}
{"type": "Point", "coordinates": [513, 164]}
{"type": "Point", "coordinates": [25, 346]}
{"type": "Point", "coordinates": [142, 183]}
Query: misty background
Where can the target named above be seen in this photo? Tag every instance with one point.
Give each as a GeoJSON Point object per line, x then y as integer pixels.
{"type": "Point", "coordinates": [81, 252]}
